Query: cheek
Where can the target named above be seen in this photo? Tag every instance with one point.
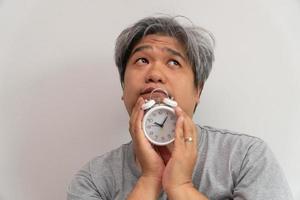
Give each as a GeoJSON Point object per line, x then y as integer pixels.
{"type": "Point", "coordinates": [128, 102]}
{"type": "Point", "coordinates": [186, 93]}
{"type": "Point", "coordinates": [130, 92]}
{"type": "Point", "coordinates": [130, 77]}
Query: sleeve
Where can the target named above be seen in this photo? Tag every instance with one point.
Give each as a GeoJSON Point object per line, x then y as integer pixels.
{"type": "Point", "coordinates": [260, 176]}
{"type": "Point", "coordinates": [82, 187]}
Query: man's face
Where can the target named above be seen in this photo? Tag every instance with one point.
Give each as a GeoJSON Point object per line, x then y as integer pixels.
{"type": "Point", "coordinates": [160, 62]}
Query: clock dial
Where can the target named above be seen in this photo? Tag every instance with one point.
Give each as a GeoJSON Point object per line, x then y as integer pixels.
{"type": "Point", "coordinates": [159, 125]}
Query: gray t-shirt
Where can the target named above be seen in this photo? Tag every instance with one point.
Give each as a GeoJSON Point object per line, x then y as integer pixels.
{"type": "Point", "coordinates": [229, 166]}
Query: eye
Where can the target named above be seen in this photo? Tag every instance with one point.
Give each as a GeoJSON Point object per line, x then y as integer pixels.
{"type": "Point", "coordinates": [174, 63]}
{"type": "Point", "coordinates": [141, 61]}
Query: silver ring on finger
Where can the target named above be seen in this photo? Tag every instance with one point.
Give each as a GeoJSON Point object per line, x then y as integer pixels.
{"type": "Point", "coordinates": [188, 139]}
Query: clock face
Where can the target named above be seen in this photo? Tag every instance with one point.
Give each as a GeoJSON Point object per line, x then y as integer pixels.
{"type": "Point", "coordinates": [159, 125]}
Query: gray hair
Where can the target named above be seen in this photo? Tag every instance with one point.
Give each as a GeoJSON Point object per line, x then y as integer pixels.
{"type": "Point", "coordinates": [198, 43]}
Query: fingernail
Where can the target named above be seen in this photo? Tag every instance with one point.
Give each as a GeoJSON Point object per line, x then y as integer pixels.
{"type": "Point", "coordinates": [141, 100]}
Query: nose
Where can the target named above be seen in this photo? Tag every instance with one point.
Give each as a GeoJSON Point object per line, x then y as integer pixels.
{"type": "Point", "coordinates": [155, 74]}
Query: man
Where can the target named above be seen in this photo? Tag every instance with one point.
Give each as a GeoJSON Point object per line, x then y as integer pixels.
{"type": "Point", "coordinates": [202, 162]}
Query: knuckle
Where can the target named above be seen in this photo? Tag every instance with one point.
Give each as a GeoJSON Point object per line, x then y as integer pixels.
{"type": "Point", "coordinates": [131, 127]}
{"type": "Point", "coordinates": [135, 129]}
{"type": "Point", "coordinates": [130, 130]}
{"type": "Point", "coordinates": [131, 124]}
{"type": "Point", "coordinates": [189, 130]}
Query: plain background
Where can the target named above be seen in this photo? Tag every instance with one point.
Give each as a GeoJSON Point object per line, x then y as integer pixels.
{"type": "Point", "coordinates": [60, 97]}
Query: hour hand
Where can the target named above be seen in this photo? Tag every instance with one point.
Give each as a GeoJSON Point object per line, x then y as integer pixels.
{"type": "Point", "coordinates": [157, 124]}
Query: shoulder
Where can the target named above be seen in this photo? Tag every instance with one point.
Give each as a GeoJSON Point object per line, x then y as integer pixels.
{"type": "Point", "coordinates": [230, 150]}
{"type": "Point", "coordinates": [107, 168]}
{"type": "Point", "coordinates": [255, 173]}
{"type": "Point", "coordinates": [111, 159]}
{"type": "Point", "coordinates": [98, 177]}
{"type": "Point", "coordinates": [238, 149]}
{"type": "Point", "coordinates": [226, 139]}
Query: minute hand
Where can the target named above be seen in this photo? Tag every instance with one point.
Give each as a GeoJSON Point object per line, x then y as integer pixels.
{"type": "Point", "coordinates": [164, 121]}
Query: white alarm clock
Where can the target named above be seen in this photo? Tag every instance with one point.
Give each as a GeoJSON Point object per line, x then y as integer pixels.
{"type": "Point", "coordinates": [159, 121]}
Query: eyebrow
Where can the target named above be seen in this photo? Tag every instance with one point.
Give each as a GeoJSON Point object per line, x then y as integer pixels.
{"type": "Point", "coordinates": [175, 53]}
{"type": "Point", "coordinates": [169, 50]}
{"type": "Point", "coordinates": [141, 48]}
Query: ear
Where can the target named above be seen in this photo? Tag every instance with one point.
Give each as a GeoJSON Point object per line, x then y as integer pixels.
{"type": "Point", "coordinates": [199, 91]}
{"type": "Point", "coordinates": [198, 94]}
{"type": "Point", "coordinates": [122, 85]}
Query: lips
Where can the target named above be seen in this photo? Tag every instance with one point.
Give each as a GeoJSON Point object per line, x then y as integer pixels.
{"type": "Point", "coordinates": [147, 90]}
{"type": "Point", "coordinates": [156, 95]}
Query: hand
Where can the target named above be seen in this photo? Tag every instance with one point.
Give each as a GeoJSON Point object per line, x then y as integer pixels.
{"type": "Point", "coordinates": [179, 169]}
{"type": "Point", "coordinates": [152, 165]}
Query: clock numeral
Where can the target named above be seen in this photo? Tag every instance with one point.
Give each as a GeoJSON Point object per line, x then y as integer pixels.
{"type": "Point", "coordinates": [151, 133]}
{"type": "Point", "coordinates": [162, 138]}
{"type": "Point", "coordinates": [160, 112]}
{"type": "Point", "coordinates": [169, 136]}
{"type": "Point", "coordinates": [148, 127]}
{"type": "Point", "coordinates": [155, 136]}
{"type": "Point", "coordinates": [153, 114]}
{"type": "Point", "coordinates": [150, 120]}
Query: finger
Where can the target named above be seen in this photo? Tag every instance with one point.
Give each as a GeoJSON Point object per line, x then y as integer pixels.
{"type": "Point", "coordinates": [190, 136]}
{"type": "Point", "coordinates": [132, 119]}
{"type": "Point", "coordinates": [179, 134]}
{"type": "Point", "coordinates": [179, 138]}
{"type": "Point", "coordinates": [189, 132]}
{"type": "Point", "coordinates": [138, 124]}
{"type": "Point", "coordinates": [136, 111]}
{"type": "Point", "coordinates": [178, 111]}
{"type": "Point", "coordinates": [138, 132]}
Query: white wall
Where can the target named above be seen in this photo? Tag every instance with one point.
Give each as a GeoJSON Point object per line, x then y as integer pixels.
{"type": "Point", "coordinates": [60, 98]}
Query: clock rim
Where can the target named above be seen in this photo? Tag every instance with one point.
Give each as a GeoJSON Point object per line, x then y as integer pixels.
{"type": "Point", "coordinates": [144, 121]}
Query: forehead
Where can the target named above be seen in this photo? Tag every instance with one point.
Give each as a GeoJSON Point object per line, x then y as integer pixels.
{"type": "Point", "coordinates": [161, 42]}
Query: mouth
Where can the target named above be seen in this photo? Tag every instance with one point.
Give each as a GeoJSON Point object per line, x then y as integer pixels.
{"type": "Point", "coordinates": [157, 95]}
